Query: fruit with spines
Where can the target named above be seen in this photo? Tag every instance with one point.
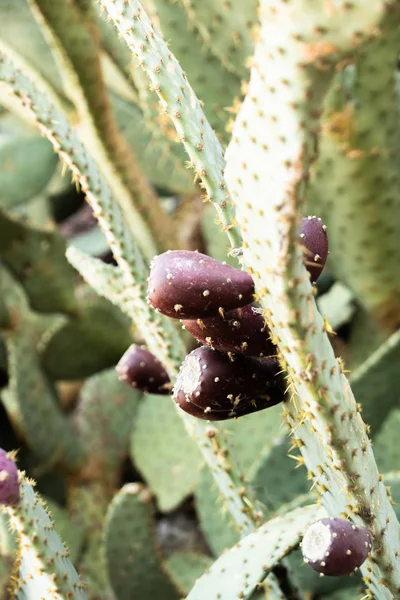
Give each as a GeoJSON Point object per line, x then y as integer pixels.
{"type": "Point", "coordinates": [314, 241]}
{"type": "Point", "coordinates": [189, 285]}
{"type": "Point", "coordinates": [216, 386]}
{"type": "Point", "coordinates": [9, 480]}
{"type": "Point", "coordinates": [140, 369]}
{"type": "Point", "coordinates": [242, 330]}
{"type": "Point", "coordinates": [334, 546]}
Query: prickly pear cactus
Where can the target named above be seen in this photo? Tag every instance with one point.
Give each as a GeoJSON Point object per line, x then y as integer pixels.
{"type": "Point", "coordinates": [172, 375]}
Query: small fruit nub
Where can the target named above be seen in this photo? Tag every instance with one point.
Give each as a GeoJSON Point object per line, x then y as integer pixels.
{"type": "Point", "coordinates": [314, 240]}
{"type": "Point", "coordinates": [190, 285]}
{"type": "Point", "coordinates": [140, 369]}
{"type": "Point", "coordinates": [9, 481]}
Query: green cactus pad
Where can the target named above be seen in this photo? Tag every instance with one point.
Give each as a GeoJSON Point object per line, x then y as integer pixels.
{"type": "Point", "coordinates": [36, 258]}
{"type": "Point", "coordinates": [251, 436]}
{"type": "Point", "coordinates": [133, 564]}
{"type": "Point", "coordinates": [163, 452]}
{"type": "Point", "coordinates": [226, 29]}
{"type": "Point", "coordinates": [215, 521]}
{"type": "Point", "coordinates": [217, 244]}
{"type": "Point", "coordinates": [16, 17]}
{"type": "Point", "coordinates": [93, 568]}
{"type": "Point", "coordinates": [69, 533]}
{"type": "Point", "coordinates": [238, 572]}
{"type": "Point", "coordinates": [31, 401]}
{"type": "Point", "coordinates": [27, 163]}
{"type": "Point", "coordinates": [279, 479]}
{"type": "Point", "coordinates": [386, 443]}
{"type": "Point", "coordinates": [104, 418]}
{"type": "Point", "coordinates": [160, 156]}
{"type": "Point", "coordinates": [184, 568]}
{"type": "Point", "coordinates": [93, 340]}
{"type": "Point", "coordinates": [375, 382]}
{"type": "Point", "coordinates": [44, 568]}
{"type": "Point", "coordinates": [356, 178]}
{"type": "Point", "coordinates": [212, 83]}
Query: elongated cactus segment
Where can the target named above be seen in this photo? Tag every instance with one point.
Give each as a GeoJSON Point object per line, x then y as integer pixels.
{"type": "Point", "coordinates": [212, 82]}
{"type": "Point", "coordinates": [180, 103]}
{"type": "Point", "coordinates": [133, 563]}
{"type": "Point", "coordinates": [355, 179]}
{"type": "Point", "coordinates": [36, 258]}
{"type": "Point", "coordinates": [323, 415]}
{"type": "Point", "coordinates": [242, 330]}
{"type": "Point", "coordinates": [143, 371]}
{"type": "Point", "coordinates": [30, 399]}
{"type": "Point", "coordinates": [44, 568]}
{"type": "Point", "coordinates": [334, 546]}
{"type": "Point", "coordinates": [103, 419]}
{"type": "Point", "coordinates": [191, 285]}
{"type": "Point", "coordinates": [219, 383]}
{"type": "Point", "coordinates": [238, 572]}
{"type": "Point", "coordinates": [91, 341]}
{"type": "Point", "coordinates": [69, 31]}
{"type": "Point", "coordinates": [9, 482]}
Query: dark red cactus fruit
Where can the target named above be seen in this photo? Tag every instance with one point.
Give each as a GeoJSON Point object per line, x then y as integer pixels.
{"type": "Point", "coordinates": [140, 369]}
{"type": "Point", "coordinates": [333, 546]}
{"type": "Point", "coordinates": [314, 240]}
{"type": "Point", "coordinates": [190, 285]}
{"type": "Point", "coordinates": [227, 384]}
{"type": "Point", "coordinates": [209, 414]}
{"type": "Point", "coordinates": [9, 483]}
{"type": "Point", "coordinates": [242, 330]}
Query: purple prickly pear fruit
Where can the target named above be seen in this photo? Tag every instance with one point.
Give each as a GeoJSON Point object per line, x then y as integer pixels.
{"type": "Point", "coordinates": [242, 330]}
{"type": "Point", "coordinates": [227, 384]}
{"type": "Point", "coordinates": [333, 546]}
{"type": "Point", "coordinates": [9, 483]}
{"type": "Point", "coordinates": [209, 414]}
{"type": "Point", "coordinates": [140, 369]}
{"type": "Point", "coordinates": [190, 285]}
{"type": "Point", "coordinates": [314, 240]}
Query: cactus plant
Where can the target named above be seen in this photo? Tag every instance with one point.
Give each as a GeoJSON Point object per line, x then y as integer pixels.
{"type": "Point", "coordinates": [268, 111]}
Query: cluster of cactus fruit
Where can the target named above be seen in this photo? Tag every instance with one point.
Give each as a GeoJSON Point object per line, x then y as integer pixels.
{"type": "Point", "coordinates": [181, 484]}
{"type": "Point", "coordinates": [214, 301]}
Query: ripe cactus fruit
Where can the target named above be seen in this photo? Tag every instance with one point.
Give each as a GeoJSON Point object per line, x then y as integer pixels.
{"type": "Point", "coordinates": [140, 369]}
{"type": "Point", "coordinates": [190, 285]}
{"type": "Point", "coordinates": [314, 240]}
{"type": "Point", "coordinates": [9, 482]}
{"type": "Point", "coordinates": [217, 386]}
{"type": "Point", "coordinates": [208, 414]}
{"type": "Point", "coordinates": [333, 546]}
{"type": "Point", "coordinates": [241, 330]}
